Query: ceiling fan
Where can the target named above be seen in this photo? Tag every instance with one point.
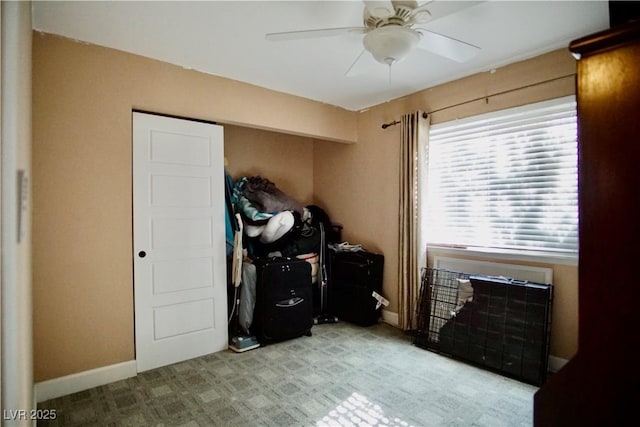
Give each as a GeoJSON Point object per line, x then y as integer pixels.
{"type": "Point", "coordinates": [392, 31]}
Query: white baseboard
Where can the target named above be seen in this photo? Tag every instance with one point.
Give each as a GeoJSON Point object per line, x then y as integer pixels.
{"type": "Point", "coordinates": [390, 318]}
{"type": "Point", "coordinates": [74, 383]}
{"type": "Point", "coordinates": [556, 363]}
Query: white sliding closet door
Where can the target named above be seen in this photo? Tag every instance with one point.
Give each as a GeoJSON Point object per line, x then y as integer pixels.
{"type": "Point", "coordinates": [178, 240]}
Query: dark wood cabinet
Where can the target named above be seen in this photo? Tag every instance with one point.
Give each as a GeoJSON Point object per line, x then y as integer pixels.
{"type": "Point", "coordinates": [599, 386]}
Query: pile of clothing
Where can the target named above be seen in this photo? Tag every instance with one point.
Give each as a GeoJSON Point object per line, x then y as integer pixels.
{"type": "Point", "coordinates": [265, 222]}
{"type": "Point", "coordinates": [275, 224]}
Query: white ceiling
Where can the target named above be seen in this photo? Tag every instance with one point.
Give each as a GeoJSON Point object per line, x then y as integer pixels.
{"type": "Point", "coordinates": [226, 38]}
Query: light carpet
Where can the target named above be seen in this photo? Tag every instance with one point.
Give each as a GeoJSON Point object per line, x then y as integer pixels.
{"type": "Point", "coordinates": [343, 375]}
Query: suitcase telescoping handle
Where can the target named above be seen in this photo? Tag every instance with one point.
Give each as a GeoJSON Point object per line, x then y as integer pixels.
{"type": "Point", "coordinates": [323, 270]}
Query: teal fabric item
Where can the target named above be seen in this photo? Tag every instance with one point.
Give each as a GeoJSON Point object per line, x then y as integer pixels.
{"type": "Point", "coordinates": [244, 206]}
{"type": "Point", "coordinates": [230, 221]}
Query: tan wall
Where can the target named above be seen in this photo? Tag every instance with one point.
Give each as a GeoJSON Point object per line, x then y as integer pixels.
{"type": "Point", "coordinates": [82, 246]}
{"type": "Point", "coordinates": [359, 183]}
{"type": "Point", "coordinates": [82, 101]}
{"type": "Point", "coordinates": [253, 152]}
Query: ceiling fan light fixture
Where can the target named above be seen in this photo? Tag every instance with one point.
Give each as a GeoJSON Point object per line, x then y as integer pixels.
{"type": "Point", "coordinates": [391, 44]}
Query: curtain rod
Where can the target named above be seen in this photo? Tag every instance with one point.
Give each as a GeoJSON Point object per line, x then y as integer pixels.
{"type": "Point", "coordinates": [486, 98]}
{"type": "Point", "coordinates": [395, 122]}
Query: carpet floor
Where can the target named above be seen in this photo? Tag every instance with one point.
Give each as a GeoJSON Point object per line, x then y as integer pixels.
{"type": "Point", "coordinates": [342, 375]}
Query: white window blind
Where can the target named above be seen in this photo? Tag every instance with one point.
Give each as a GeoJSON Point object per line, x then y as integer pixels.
{"type": "Point", "coordinates": [506, 180]}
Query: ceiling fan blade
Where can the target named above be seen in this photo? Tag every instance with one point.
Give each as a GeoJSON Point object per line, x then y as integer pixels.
{"type": "Point", "coordinates": [380, 9]}
{"type": "Point", "coordinates": [311, 34]}
{"type": "Point", "coordinates": [363, 64]}
{"type": "Point", "coordinates": [445, 46]}
{"type": "Point", "coordinates": [424, 5]}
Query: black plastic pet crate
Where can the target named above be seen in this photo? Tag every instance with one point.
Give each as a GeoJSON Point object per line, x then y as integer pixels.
{"type": "Point", "coordinates": [497, 323]}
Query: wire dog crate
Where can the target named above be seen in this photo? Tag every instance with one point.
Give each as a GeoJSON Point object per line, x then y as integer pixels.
{"type": "Point", "coordinates": [437, 303]}
{"type": "Point", "coordinates": [497, 323]}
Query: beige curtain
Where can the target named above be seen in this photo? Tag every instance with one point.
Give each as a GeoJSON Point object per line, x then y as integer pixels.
{"type": "Point", "coordinates": [411, 242]}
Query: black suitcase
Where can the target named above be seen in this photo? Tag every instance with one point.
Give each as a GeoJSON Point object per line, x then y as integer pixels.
{"type": "Point", "coordinates": [354, 276]}
{"type": "Point", "coordinates": [284, 306]}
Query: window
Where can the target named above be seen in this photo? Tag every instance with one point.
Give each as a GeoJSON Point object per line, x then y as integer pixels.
{"type": "Point", "coordinates": [507, 180]}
